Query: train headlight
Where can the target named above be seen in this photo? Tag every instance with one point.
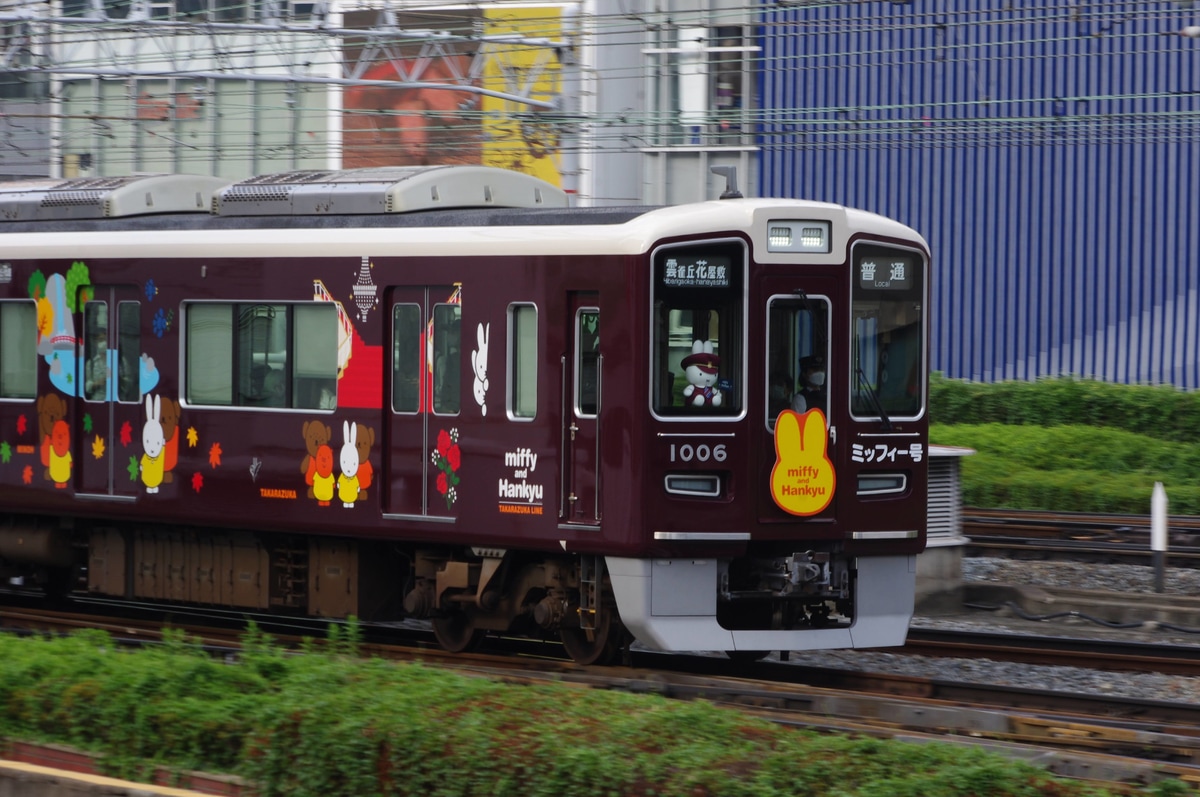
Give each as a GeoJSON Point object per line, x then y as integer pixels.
{"type": "Point", "coordinates": [798, 236]}
{"type": "Point", "coordinates": [694, 484]}
{"type": "Point", "coordinates": [881, 483]}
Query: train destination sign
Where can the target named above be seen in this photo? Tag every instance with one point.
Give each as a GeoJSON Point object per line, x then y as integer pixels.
{"type": "Point", "coordinates": [696, 272]}
{"type": "Point", "coordinates": [892, 273]}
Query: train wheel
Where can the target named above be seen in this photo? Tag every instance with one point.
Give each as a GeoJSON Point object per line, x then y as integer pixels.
{"type": "Point", "coordinates": [600, 645]}
{"type": "Point", "coordinates": [456, 632]}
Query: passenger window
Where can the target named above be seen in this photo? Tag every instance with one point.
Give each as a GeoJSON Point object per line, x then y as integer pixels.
{"type": "Point", "coordinates": [315, 343]}
{"type": "Point", "coordinates": [209, 347]}
{"type": "Point", "coordinates": [282, 355]}
{"type": "Point", "coordinates": [18, 350]}
{"type": "Point", "coordinates": [522, 360]}
{"type": "Point", "coordinates": [261, 350]}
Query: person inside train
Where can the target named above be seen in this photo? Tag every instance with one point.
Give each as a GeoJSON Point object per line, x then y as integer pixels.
{"type": "Point", "coordinates": [812, 385]}
{"type": "Point", "coordinates": [782, 387]}
{"type": "Point", "coordinates": [273, 389]}
{"type": "Point", "coordinates": [96, 371]}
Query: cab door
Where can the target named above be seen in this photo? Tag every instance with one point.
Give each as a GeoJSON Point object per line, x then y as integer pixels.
{"type": "Point", "coordinates": [108, 416]}
{"type": "Point", "coordinates": [581, 387]}
{"type": "Point", "coordinates": [425, 366]}
{"type": "Point", "coordinates": [799, 454]}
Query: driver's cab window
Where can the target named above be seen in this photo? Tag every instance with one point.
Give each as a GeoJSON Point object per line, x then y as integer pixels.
{"type": "Point", "coordinates": [797, 355]}
{"type": "Point", "coordinates": [698, 331]}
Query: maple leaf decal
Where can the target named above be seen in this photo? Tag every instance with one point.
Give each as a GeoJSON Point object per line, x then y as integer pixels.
{"type": "Point", "coordinates": [87, 423]}
{"type": "Point", "coordinates": [5, 452]}
{"type": "Point", "coordinates": [22, 424]}
{"type": "Point", "coordinates": [197, 481]}
{"type": "Point", "coordinates": [126, 433]}
{"type": "Point", "coordinates": [193, 437]}
{"type": "Point", "coordinates": [98, 447]}
{"type": "Point", "coordinates": [132, 469]}
{"type": "Point", "coordinates": [214, 455]}
{"type": "Point", "coordinates": [27, 475]}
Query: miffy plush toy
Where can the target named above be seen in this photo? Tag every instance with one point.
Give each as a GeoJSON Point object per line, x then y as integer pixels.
{"type": "Point", "coordinates": [701, 367]}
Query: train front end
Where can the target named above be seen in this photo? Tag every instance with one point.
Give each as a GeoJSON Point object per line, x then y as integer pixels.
{"type": "Point", "coordinates": [787, 441]}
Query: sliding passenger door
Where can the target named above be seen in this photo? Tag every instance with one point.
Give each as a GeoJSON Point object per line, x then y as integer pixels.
{"type": "Point", "coordinates": [108, 416]}
{"type": "Point", "coordinates": [581, 390]}
{"type": "Point", "coordinates": [425, 378]}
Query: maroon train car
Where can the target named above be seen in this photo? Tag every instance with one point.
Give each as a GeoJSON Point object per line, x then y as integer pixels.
{"type": "Point", "coordinates": [444, 393]}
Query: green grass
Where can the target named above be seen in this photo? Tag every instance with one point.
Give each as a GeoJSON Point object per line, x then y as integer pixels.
{"type": "Point", "coordinates": [328, 724]}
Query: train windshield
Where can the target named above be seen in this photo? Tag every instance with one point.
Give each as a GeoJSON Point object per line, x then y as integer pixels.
{"type": "Point", "coordinates": [698, 336]}
{"type": "Point", "coordinates": [888, 360]}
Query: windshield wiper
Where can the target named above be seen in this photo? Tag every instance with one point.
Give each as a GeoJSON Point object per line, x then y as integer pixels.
{"type": "Point", "coordinates": [866, 387]}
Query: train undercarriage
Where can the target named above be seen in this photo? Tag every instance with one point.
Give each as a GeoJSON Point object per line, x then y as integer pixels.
{"type": "Point", "coordinates": [465, 593]}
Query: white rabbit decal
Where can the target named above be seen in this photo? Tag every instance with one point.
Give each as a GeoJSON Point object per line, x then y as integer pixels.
{"type": "Point", "coordinates": [348, 481]}
{"type": "Point", "coordinates": [153, 442]}
{"type": "Point", "coordinates": [479, 365]}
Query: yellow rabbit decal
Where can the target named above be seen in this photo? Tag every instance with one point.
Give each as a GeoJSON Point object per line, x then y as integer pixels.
{"type": "Point", "coordinates": [802, 481]}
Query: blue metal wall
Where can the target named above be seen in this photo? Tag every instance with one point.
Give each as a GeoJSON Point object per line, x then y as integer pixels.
{"type": "Point", "coordinates": [1047, 151]}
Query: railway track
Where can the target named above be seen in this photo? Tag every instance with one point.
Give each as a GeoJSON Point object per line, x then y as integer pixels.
{"type": "Point", "coordinates": [1109, 740]}
{"type": "Point", "coordinates": [1080, 536]}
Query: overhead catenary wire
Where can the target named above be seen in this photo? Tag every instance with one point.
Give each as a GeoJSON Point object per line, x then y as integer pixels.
{"type": "Point", "coordinates": [840, 42]}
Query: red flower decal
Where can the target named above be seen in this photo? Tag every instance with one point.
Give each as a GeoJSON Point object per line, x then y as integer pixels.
{"type": "Point", "coordinates": [443, 442]}
{"type": "Point", "coordinates": [443, 486]}
{"type": "Point", "coordinates": [454, 457]}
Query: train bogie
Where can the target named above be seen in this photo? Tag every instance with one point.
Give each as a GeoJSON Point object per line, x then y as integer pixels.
{"type": "Point", "coordinates": [333, 394]}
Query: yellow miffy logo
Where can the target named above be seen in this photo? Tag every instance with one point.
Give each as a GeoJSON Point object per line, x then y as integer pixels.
{"type": "Point", "coordinates": [802, 481]}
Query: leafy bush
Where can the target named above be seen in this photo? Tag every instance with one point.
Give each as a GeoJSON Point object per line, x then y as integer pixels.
{"type": "Point", "coordinates": [1070, 444]}
{"type": "Point", "coordinates": [330, 724]}
{"type": "Point", "coordinates": [1159, 411]}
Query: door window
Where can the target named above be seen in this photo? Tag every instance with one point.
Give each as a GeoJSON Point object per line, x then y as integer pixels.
{"type": "Point", "coordinates": [587, 362]}
{"type": "Point", "coordinates": [797, 355]}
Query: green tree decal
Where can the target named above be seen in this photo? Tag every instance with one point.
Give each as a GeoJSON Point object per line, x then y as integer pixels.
{"type": "Point", "coordinates": [78, 277]}
{"type": "Point", "coordinates": [5, 452]}
{"type": "Point", "coordinates": [37, 284]}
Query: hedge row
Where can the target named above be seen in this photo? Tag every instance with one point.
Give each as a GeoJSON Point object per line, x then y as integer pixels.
{"type": "Point", "coordinates": [1069, 444]}
{"type": "Point", "coordinates": [1072, 469]}
{"type": "Point", "coordinates": [1158, 411]}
